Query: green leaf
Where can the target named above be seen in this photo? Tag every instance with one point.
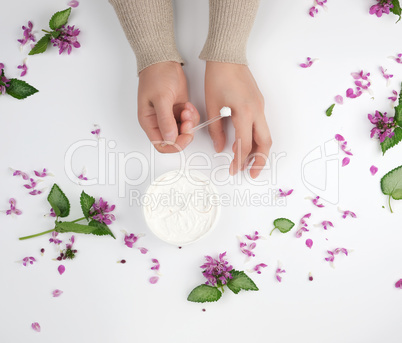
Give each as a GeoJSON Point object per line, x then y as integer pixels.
{"type": "Point", "coordinates": [20, 89]}
{"type": "Point", "coordinates": [204, 293]}
{"type": "Point", "coordinates": [41, 45]}
{"type": "Point", "coordinates": [59, 201]}
{"type": "Point", "coordinates": [391, 184]}
{"type": "Point", "coordinates": [100, 229]}
{"type": "Point", "coordinates": [241, 281]}
{"type": "Point", "coordinates": [86, 203]}
{"type": "Point", "coordinates": [391, 142]}
{"type": "Point", "coordinates": [73, 227]}
{"type": "Point", "coordinates": [398, 110]}
{"type": "Point", "coordinates": [396, 9]}
{"type": "Point", "coordinates": [55, 34]}
{"type": "Point", "coordinates": [59, 19]}
{"type": "Point", "coordinates": [283, 225]}
{"type": "Point", "coordinates": [328, 112]}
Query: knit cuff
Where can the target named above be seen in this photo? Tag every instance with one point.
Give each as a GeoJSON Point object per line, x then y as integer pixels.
{"type": "Point", "coordinates": [148, 25]}
{"type": "Point", "coordinates": [230, 23]}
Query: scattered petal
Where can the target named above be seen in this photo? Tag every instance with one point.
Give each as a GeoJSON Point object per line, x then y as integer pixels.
{"type": "Point", "coordinates": [345, 161]}
{"type": "Point", "coordinates": [258, 267]}
{"type": "Point", "coordinates": [26, 261]}
{"type": "Point", "coordinates": [339, 99]}
{"type": "Point", "coordinates": [153, 279]}
{"type": "Point", "coordinates": [398, 284]}
{"type": "Point", "coordinates": [61, 269]}
{"type": "Point", "coordinates": [278, 272]}
{"type": "Point", "coordinates": [315, 202]}
{"type": "Point", "coordinates": [56, 293]}
{"type": "Point", "coordinates": [373, 170]}
{"type": "Point", "coordinates": [309, 243]}
{"type": "Point", "coordinates": [73, 3]}
{"type": "Point", "coordinates": [143, 250]}
{"type": "Point", "coordinates": [285, 193]}
{"type": "Point", "coordinates": [36, 326]}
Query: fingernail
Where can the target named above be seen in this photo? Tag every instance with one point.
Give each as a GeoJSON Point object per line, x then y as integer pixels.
{"type": "Point", "coordinates": [186, 115]}
{"type": "Point", "coordinates": [169, 137]}
{"type": "Point", "coordinates": [215, 145]}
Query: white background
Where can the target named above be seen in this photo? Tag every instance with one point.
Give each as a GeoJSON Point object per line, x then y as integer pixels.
{"type": "Point", "coordinates": [108, 302]}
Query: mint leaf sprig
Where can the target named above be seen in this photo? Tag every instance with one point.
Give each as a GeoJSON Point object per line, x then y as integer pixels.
{"type": "Point", "coordinates": [391, 185]}
{"type": "Point", "coordinates": [219, 274]}
{"type": "Point", "coordinates": [65, 38]}
{"type": "Point", "coordinates": [97, 215]}
{"type": "Point", "coordinates": [283, 225]}
{"type": "Point", "coordinates": [16, 88]}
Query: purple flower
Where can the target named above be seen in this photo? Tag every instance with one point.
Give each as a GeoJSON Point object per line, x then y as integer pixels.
{"type": "Point", "coordinates": [42, 173]}
{"type": "Point", "coordinates": [153, 279]}
{"type": "Point", "coordinates": [68, 252]}
{"type": "Point", "coordinates": [398, 284]}
{"type": "Point", "coordinates": [303, 225]}
{"type": "Point", "coordinates": [4, 82]}
{"type": "Point", "coordinates": [300, 231]}
{"type": "Point", "coordinates": [31, 185]}
{"type": "Point", "coordinates": [394, 97]}
{"type": "Point", "coordinates": [373, 170]}
{"type": "Point", "coordinates": [313, 11]}
{"type": "Point", "coordinates": [143, 250]}
{"type": "Point", "coordinates": [258, 267]}
{"type": "Point", "coordinates": [35, 192]}
{"type": "Point", "coordinates": [35, 326]}
{"type": "Point", "coordinates": [97, 130]}
{"type": "Point", "coordinates": [332, 254]}
{"type": "Point", "coordinates": [156, 264]}
{"type": "Point", "coordinates": [13, 209]}
{"type": "Point", "coordinates": [303, 221]}
{"type": "Point", "coordinates": [217, 271]}
{"type": "Point", "coordinates": [67, 39]}
{"type": "Point", "coordinates": [397, 59]}
{"type": "Point", "coordinates": [352, 95]}
{"type": "Point", "coordinates": [20, 173]}
{"type": "Point", "coordinates": [278, 272]}
{"type": "Point", "coordinates": [254, 237]}
{"type": "Point", "coordinates": [100, 212]}
{"type": "Point", "coordinates": [386, 76]}
{"type": "Point", "coordinates": [52, 214]}
{"type": "Point", "coordinates": [24, 68]}
{"type": "Point", "coordinates": [285, 193]}
{"type": "Point", "coordinates": [326, 223]}
{"type": "Point", "coordinates": [348, 213]}
{"type": "Point", "coordinates": [247, 250]}
{"type": "Point", "coordinates": [130, 239]}
{"type": "Point", "coordinates": [56, 293]}
{"type": "Point", "coordinates": [309, 243]}
{"type": "Point", "coordinates": [382, 6]}
{"type": "Point", "coordinates": [28, 35]}
{"type": "Point", "coordinates": [315, 202]}
{"type": "Point", "coordinates": [28, 260]}
{"type": "Point", "coordinates": [308, 63]}
{"type": "Point", "coordinates": [54, 238]}
{"type": "Point", "coordinates": [384, 126]}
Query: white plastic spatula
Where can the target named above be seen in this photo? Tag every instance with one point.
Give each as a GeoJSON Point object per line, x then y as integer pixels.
{"type": "Point", "coordinates": [224, 112]}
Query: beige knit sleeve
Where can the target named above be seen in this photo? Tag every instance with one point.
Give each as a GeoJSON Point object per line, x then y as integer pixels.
{"type": "Point", "coordinates": [148, 25]}
{"type": "Point", "coordinates": [230, 23]}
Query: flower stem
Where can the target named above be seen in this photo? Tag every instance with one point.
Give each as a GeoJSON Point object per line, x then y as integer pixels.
{"type": "Point", "coordinates": [77, 220]}
{"type": "Point", "coordinates": [46, 31]}
{"type": "Point", "coordinates": [36, 235]}
{"type": "Point", "coordinates": [389, 203]}
{"type": "Point", "coordinates": [272, 231]}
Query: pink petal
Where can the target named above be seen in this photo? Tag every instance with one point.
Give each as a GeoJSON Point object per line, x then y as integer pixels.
{"type": "Point", "coordinates": [36, 326]}
{"type": "Point", "coordinates": [154, 279]}
{"type": "Point", "coordinates": [339, 99]}
{"type": "Point", "coordinates": [57, 292]}
{"type": "Point", "coordinates": [309, 243]}
{"type": "Point", "coordinates": [373, 170]}
{"type": "Point", "coordinates": [61, 269]}
{"type": "Point", "coordinates": [73, 3]}
{"type": "Point", "coordinates": [143, 250]}
{"type": "Point", "coordinates": [345, 161]}
{"type": "Point", "coordinates": [398, 284]}
{"type": "Point", "coordinates": [339, 138]}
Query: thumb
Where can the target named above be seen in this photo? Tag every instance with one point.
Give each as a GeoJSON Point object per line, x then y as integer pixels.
{"type": "Point", "coordinates": [216, 129]}
{"type": "Point", "coordinates": [166, 120]}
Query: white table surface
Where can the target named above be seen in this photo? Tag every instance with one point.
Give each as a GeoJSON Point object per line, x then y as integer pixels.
{"type": "Point", "coordinates": [108, 302]}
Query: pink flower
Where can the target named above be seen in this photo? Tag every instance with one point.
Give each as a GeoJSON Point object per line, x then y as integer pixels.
{"type": "Point", "coordinates": [394, 97]}
{"type": "Point", "coordinates": [309, 63]}
{"type": "Point", "coordinates": [348, 213]}
{"type": "Point", "coordinates": [313, 11]}
{"type": "Point", "coordinates": [67, 39]}
{"type": "Point", "coordinates": [61, 269]}
{"type": "Point", "coordinates": [278, 272]}
{"type": "Point", "coordinates": [97, 130]}
{"type": "Point", "coordinates": [339, 138]}
{"type": "Point", "coordinates": [217, 271]}
{"type": "Point", "coordinates": [24, 68]}
{"type": "Point", "coordinates": [326, 223]}
{"type": "Point", "coordinates": [398, 58]}
{"type": "Point", "coordinates": [42, 173]}
{"type": "Point", "coordinates": [35, 192]}
{"type": "Point", "coordinates": [54, 238]}
{"type": "Point", "coordinates": [309, 243]}
{"type": "Point", "coordinates": [20, 173]}
{"type": "Point", "coordinates": [339, 99]}
{"type": "Point", "coordinates": [398, 284]}
{"type": "Point", "coordinates": [315, 202]}
{"type": "Point", "coordinates": [100, 212]}
{"type": "Point", "coordinates": [143, 250]}
{"type": "Point", "coordinates": [28, 260]}
{"type": "Point", "coordinates": [304, 225]}
{"type": "Point", "coordinates": [361, 75]}
{"type": "Point", "coordinates": [343, 144]}
{"type": "Point", "coordinates": [73, 3]}
{"type": "Point", "coordinates": [383, 6]}
{"type": "Point", "coordinates": [254, 237]}
{"type": "Point", "coordinates": [345, 161]}
{"type": "Point", "coordinates": [156, 264]}
{"type": "Point", "coordinates": [332, 254]}
{"type": "Point", "coordinates": [56, 293]}
{"type": "Point", "coordinates": [259, 266]}
{"type": "Point", "coordinates": [386, 76]}
{"type": "Point", "coordinates": [35, 326]}
{"type": "Point", "coordinates": [303, 220]}
{"type": "Point", "coordinates": [13, 209]}
{"type": "Point", "coordinates": [153, 279]}
{"type": "Point", "coordinates": [384, 125]}
{"type": "Point", "coordinates": [52, 214]}
{"type": "Point", "coordinates": [373, 170]}
{"type": "Point", "coordinates": [31, 185]}
{"type": "Point", "coordinates": [285, 193]}
{"type": "Point", "coordinates": [300, 231]}
{"type": "Point", "coordinates": [247, 250]}
{"type": "Point", "coordinates": [129, 240]}
{"type": "Point", "coordinates": [352, 95]}
{"type": "Point", "coordinates": [28, 35]}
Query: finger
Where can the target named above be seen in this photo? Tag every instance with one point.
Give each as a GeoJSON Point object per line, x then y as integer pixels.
{"type": "Point", "coordinates": [263, 143]}
{"type": "Point", "coordinates": [243, 143]}
{"type": "Point", "coordinates": [216, 129]}
{"type": "Point", "coordinates": [166, 120]}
